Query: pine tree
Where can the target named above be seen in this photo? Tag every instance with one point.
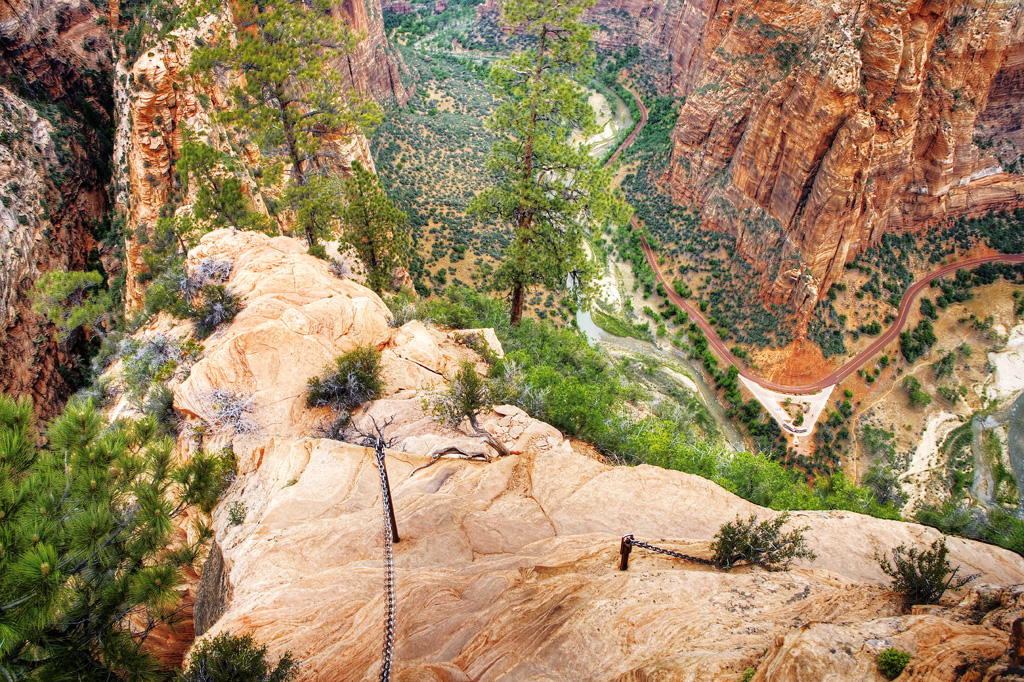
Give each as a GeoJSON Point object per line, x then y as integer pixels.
{"type": "Point", "coordinates": [371, 224]}
{"type": "Point", "coordinates": [73, 299]}
{"type": "Point", "coordinates": [291, 99]}
{"type": "Point", "coordinates": [220, 197]}
{"type": "Point", "coordinates": [230, 658]}
{"type": "Point", "coordinates": [86, 522]}
{"type": "Point", "coordinates": [548, 187]}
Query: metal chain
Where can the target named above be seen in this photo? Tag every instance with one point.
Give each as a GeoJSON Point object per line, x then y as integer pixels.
{"type": "Point", "coordinates": [389, 565]}
{"type": "Point", "coordinates": [679, 555]}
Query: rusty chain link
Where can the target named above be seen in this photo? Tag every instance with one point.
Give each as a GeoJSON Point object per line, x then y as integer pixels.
{"type": "Point", "coordinates": [628, 542]}
{"type": "Point", "coordinates": [389, 565]}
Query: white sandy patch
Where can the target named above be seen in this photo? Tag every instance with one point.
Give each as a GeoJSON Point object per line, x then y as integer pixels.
{"type": "Point", "coordinates": [1008, 367]}
{"type": "Point", "coordinates": [811, 406]}
{"type": "Point", "coordinates": [926, 459]}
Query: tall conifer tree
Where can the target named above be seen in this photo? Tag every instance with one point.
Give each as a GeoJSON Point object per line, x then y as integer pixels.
{"type": "Point", "coordinates": [548, 187]}
{"type": "Point", "coordinates": [372, 226]}
{"type": "Point", "coordinates": [86, 524]}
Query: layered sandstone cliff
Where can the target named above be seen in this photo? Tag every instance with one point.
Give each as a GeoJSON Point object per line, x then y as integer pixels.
{"type": "Point", "coordinates": [812, 128]}
{"type": "Point", "coordinates": [51, 186]}
{"type": "Point", "coordinates": [157, 100]}
{"type": "Point", "coordinates": [508, 569]}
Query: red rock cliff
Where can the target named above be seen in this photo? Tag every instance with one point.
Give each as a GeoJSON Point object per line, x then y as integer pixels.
{"type": "Point", "coordinates": [50, 183]}
{"type": "Point", "coordinates": [808, 132]}
{"type": "Point", "coordinates": [812, 128]}
{"type": "Point", "coordinates": [156, 99]}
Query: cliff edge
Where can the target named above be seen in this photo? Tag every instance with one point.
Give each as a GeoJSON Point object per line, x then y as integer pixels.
{"type": "Point", "coordinates": [508, 570]}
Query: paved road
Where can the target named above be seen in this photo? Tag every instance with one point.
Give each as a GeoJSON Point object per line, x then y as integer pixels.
{"type": "Point", "coordinates": [636, 129]}
{"type": "Point", "coordinates": [723, 352]}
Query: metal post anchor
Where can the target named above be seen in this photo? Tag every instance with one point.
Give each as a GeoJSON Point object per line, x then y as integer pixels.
{"type": "Point", "coordinates": [624, 549]}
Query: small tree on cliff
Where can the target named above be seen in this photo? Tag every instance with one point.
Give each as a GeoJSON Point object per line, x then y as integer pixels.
{"type": "Point", "coordinates": [220, 196]}
{"type": "Point", "coordinates": [230, 658]}
{"type": "Point", "coordinates": [291, 100]}
{"type": "Point", "coordinates": [466, 396]}
{"type": "Point", "coordinates": [547, 187]}
{"type": "Point", "coordinates": [73, 299]}
{"type": "Point", "coordinates": [86, 521]}
{"type": "Point", "coordinates": [922, 576]}
{"type": "Point", "coordinates": [372, 226]}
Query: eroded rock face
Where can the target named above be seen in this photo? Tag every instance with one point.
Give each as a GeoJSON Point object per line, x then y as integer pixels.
{"type": "Point", "coordinates": [508, 569]}
{"type": "Point", "coordinates": [296, 318]}
{"type": "Point", "coordinates": [51, 185]}
{"type": "Point", "coordinates": [374, 67]}
{"type": "Point", "coordinates": [157, 100]}
{"type": "Point", "coordinates": [812, 128]}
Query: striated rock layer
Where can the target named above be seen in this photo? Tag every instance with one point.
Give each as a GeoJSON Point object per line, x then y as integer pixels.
{"type": "Point", "coordinates": [508, 570]}
{"type": "Point", "coordinates": [51, 186]}
{"type": "Point", "coordinates": [812, 128]}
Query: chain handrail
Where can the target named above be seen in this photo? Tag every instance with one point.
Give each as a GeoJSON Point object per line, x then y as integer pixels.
{"type": "Point", "coordinates": [389, 565]}
{"type": "Point", "coordinates": [628, 542]}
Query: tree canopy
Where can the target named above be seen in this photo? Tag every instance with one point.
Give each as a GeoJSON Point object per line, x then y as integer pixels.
{"type": "Point", "coordinates": [548, 186]}
{"type": "Point", "coordinates": [372, 226]}
{"type": "Point", "coordinates": [290, 99]}
{"type": "Point", "coordinates": [87, 569]}
{"type": "Point", "coordinates": [71, 300]}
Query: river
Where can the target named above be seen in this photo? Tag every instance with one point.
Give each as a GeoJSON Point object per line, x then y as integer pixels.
{"type": "Point", "coordinates": [615, 121]}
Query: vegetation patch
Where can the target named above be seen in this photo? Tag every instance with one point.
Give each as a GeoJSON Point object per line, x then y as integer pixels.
{"type": "Point", "coordinates": [747, 541]}
{"type": "Point", "coordinates": [354, 379]}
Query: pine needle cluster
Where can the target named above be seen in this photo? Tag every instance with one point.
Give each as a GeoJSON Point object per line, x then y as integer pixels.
{"type": "Point", "coordinates": [90, 553]}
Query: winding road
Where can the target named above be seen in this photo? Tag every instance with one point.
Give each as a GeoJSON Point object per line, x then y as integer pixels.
{"type": "Point", "coordinates": [725, 355]}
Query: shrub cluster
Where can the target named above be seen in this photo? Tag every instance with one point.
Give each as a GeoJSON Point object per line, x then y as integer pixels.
{"type": "Point", "coordinates": [354, 379]}
{"type": "Point", "coordinates": [747, 541]}
{"type": "Point", "coordinates": [891, 663]}
{"type": "Point", "coordinates": [238, 659]}
{"type": "Point", "coordinates": [922, 576]}
{"type": "Point", "coordinates": [200, 296]}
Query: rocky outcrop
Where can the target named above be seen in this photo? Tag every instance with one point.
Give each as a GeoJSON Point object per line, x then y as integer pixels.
{"type": "Point", "coordinates": [1000, 127]}
{"type": "Point", "coordinates": [810, 129]}
{"type": "Point", "coordinates": [158, 100]}
{"type": "Point", "coordinates": [53, 50]}
{"type": "Point", "coordinates": [51, 186]}
{"type": "Point", "coordinates": [508, 569]}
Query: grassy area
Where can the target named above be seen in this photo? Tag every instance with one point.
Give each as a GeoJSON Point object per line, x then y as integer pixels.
{"type": "Point", "coordinates": [619, 327]}
{"type": "Point", "coordinates": [431, 157]}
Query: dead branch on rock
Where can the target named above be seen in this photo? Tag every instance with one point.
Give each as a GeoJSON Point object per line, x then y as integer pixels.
{"type": "Point", "coordinates": [440, 451]}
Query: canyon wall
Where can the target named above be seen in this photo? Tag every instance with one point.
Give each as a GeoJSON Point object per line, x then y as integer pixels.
{"type": "Point", "coordinates": [812, 128]}
{"type": "Point", "coordinates": [156, 101]}
{"type": "Point", "coordinates": [374, 67]}
{"type": "Point", "coordinates": [54, 111]}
